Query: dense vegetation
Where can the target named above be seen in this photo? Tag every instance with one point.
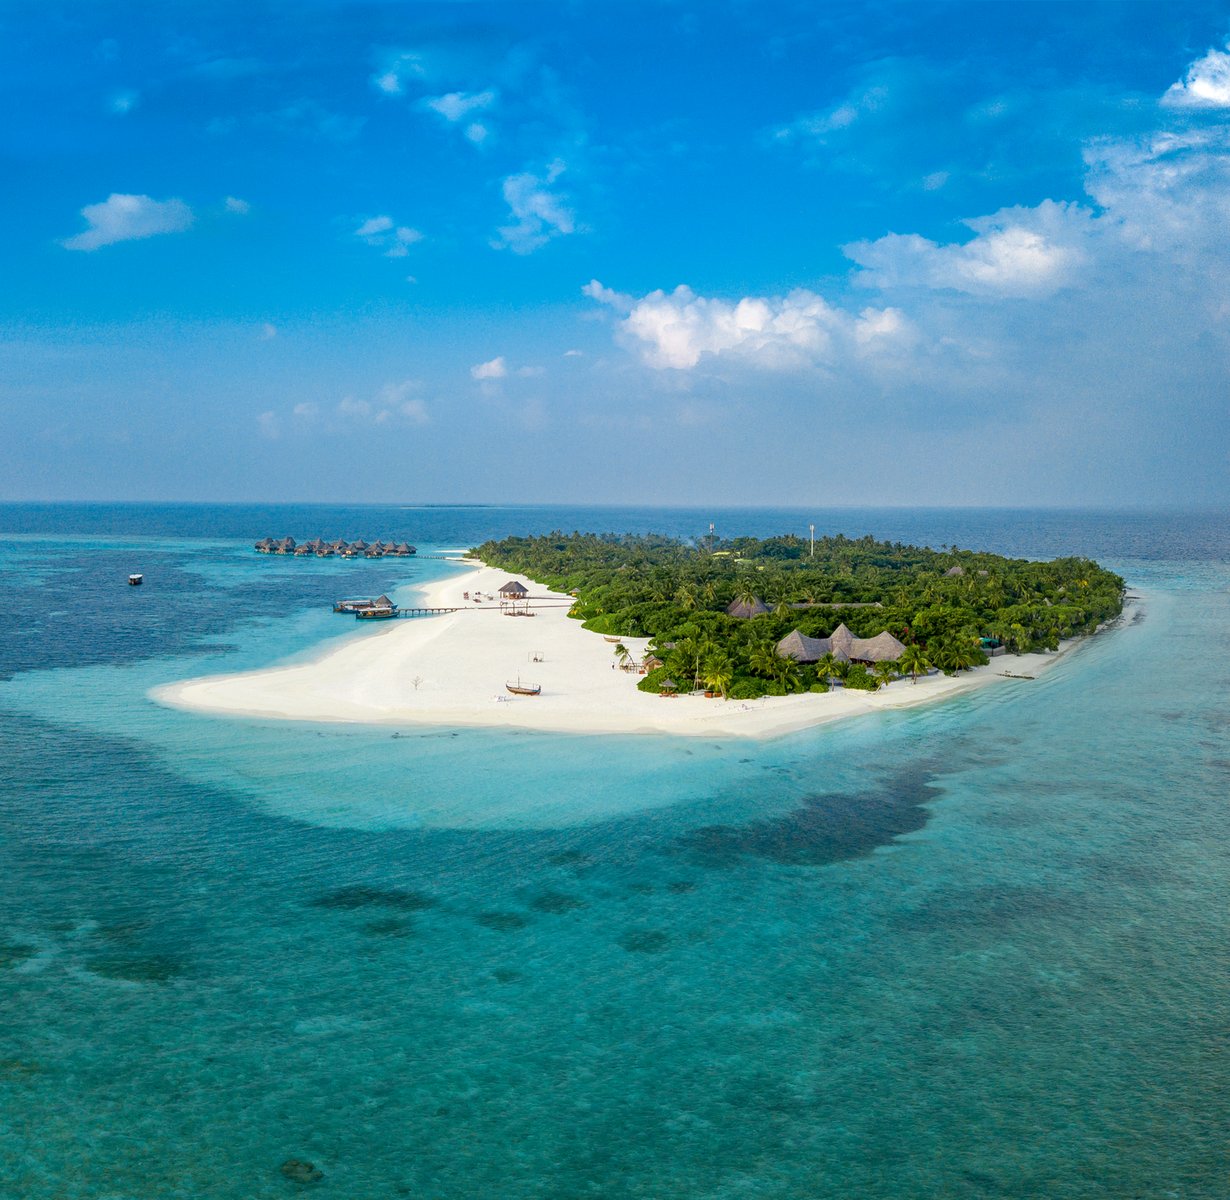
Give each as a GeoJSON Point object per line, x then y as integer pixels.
{"type": "Point", "coordinates": [947, 606]}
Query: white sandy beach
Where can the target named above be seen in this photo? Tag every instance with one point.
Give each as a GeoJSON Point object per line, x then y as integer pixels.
{"type": "Point", "coordinates": [452, 669]}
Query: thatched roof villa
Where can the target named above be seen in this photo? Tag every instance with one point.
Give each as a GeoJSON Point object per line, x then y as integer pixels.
{"type": "Point", "coordinates": [512, 590]}
{"type": "Point", "coordinates": [842, 645]}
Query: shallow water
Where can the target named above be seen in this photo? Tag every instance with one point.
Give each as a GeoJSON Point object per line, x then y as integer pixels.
{"type": "Point", "coordinates": [972, 950]}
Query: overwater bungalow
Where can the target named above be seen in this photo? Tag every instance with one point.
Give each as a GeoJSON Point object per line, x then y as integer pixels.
{"type": "Point", "coordinates": [842, 645]}
{"type": "Point", "coordinates": [404, 550]}
{"type": "Point", "coordinates": [284, 546]}
{"type": "Point", "coordinates": [264, 546]}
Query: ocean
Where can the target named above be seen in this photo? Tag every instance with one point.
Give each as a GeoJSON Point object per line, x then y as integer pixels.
{"type": "Point", "coordinates": [975, 949]}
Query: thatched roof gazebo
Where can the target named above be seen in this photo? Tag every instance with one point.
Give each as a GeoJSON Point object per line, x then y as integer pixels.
{"type": "Point", "coordinates": [512, 590]}
{"type": "Point", "coordinates": [744, 609]}
{"type": "Point", "coordinates": [668, 687]}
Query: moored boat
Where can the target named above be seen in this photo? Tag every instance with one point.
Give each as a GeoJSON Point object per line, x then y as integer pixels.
{"type": "Point", "coordinates": [136, 580]}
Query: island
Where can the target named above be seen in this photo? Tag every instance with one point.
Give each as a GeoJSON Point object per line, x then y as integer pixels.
{"type": "Point", "coordinates": [738, 637]}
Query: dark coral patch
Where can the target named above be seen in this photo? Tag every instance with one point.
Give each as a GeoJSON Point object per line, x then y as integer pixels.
{"type": "Point", "coordinates": [824, 829]}
{"type": "Point", "coordinates": [13, 954]}
{"type": "Point", "coordinates": [138, 968]}
{"type": "Point", "coordinates": [505, 922]}
{"type": "Point", "coordinates": [364, 896]}
{"type": "Point", "coordinates": [681, 886]}
{"type": "Point", "coordinates": [644, 941]}
{"type": "Point", "coordinates": [556, 902]}
{"type": "Point", "coordinates": [394, 927]}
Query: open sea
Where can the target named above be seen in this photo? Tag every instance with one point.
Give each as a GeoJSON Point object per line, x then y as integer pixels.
{"type": "Point", "coordinates": [974, 950]}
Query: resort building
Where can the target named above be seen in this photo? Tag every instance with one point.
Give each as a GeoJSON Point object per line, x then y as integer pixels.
{"type": "Point", "coordinates": [842, 645]}
{"type": "Point", "coordinates": [512, 590]}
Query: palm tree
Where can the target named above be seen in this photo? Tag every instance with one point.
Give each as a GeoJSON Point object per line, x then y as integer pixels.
{"type": "Point", "coordinates": [746, 593]}
{"type": "Point", "coordinates": [787, 673]}
{"type": "Point", "coordinates": [718, 671]}
{"type": "Point", "coordinates": [685, 596]}
{"type": "Point", "coordinates": [763, 659]}
{"type": "Point", "coordinates": [826, 668]}
{"type": "Point", "coordinates": [622, 653]}
{"type": "Point", "coordinates": [884, 672]}
{"type": "Point", "coordinates": [914, 662]}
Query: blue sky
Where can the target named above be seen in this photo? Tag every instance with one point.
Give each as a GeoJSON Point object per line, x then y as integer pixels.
{"type": "Point", "coordinates": [912, 253]}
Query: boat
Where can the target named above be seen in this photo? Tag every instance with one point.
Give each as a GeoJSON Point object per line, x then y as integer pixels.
{"type": "Point", "coordinates": [380, 609]}
{"type": "Point", "coordinates": [524, 689]}
{"type": "Point", "coordinates": [351, 606]}
{"type": "Point", "coordinates": [136, 580]}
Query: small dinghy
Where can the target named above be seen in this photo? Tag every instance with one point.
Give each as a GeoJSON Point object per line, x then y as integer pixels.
{"type": "Point", "coordinates": [136, 580]}
{"type": "Point", "coordinates": [524, 689]}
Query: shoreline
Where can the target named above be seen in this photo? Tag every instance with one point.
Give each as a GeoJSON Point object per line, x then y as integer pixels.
{"type": "Point", "coordinates": [451, 671]}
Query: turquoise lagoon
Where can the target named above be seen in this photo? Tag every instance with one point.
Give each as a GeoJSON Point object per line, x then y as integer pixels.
{"type": "Point", "coordinates": [973, 950]}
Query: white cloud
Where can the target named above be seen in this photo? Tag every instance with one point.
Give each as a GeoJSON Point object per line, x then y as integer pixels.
{"type": "Point", "coordinates": [540, 213]}
{"type": "Point", "coordinates": [477, 133]}
{"type": "Point", "coordinates": [385, 234]}
{"type": "Point", "coordinates": [394, 404]}
{"type": "Point", "coordinates": [676, 330]}
{"type": "Point", "coordinates": [120, 104]}
{"type": "Point", "coordinates": [1206, 84]}
{"type": "Point", "coordinates": [125, 218]}
{"type": "Point", "coordinates": [414, 411]}
{"type": "Point", "coordinates": [269, 425]}
{"type": "Point", "coordinates": [268, 332]}
{"type": "Point", "coordinates": [497, 368]}
{"type": "Point", "coordinates": [1016, 252]}
{"type": "Point", "coordinates": [392, 78]}
{"type": "Point", "coordinates": [619, 301]}
{"type": "Point", "coordinates": [374, 226]}
{"type": "Point", "coordinates": [233, 204]}
{"type": "Point", "coordinates": [457, 106]}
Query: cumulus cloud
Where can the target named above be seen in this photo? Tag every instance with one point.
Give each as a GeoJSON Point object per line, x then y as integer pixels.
{"type": "Point", "coordinates": [392, 76]}
{"type": "Point", "coordinates": [461, 109]}
{"type": "Point", "coordinates": [497, 368]}
{"type": "Point", "coordinates": [125, 218]}
{"type": "Point", "coordinates": [385, 234]}
{"type": "Point", "coordinates": [676, 330]}
{"type": "Point", "coordinates": [1016, 252]}
{"type": "Point", "coordinates": [540, 213]}
{"type": "Point", "coordinates": [1206, 84]}
{"type": "Point", "coordinates": [393, 405]}
{"type": "Point", "coordinates": [457, 106]}
{"type": "Point", "coordinates": [233, 204]}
